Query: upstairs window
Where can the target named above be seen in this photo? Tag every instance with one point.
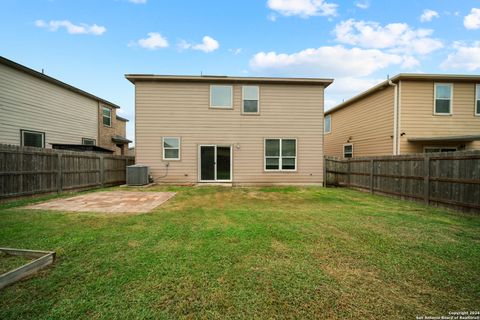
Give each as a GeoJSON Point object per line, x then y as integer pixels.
{"type": "Point", "coordinates": [328, 124]}
{"type": "Point", "coordinates": [250, 99]}
{"type": "Point", "coordinates": [348, 150]}
{"type": "Point", "coordinates": [32, 138]}
{"type": "Point", "coordinates": [477, 100]}
{"type": "Point", "coordinates": [443, 98]}
{"type": "Point", "coordinates": [107, 117]}
{"type": "Point", "coordinates": [280, 154]}
{"type": "Point", "coordinates": [221, 97]}
{"type": "Point", "coordinates": [88, 142]}
{"type": "Point", "coordinates": [171, 148]}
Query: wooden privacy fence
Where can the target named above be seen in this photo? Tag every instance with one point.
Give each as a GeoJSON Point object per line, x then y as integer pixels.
{"type": "Point", "coordinates": [451, 179]}
{"type": "Point", "coordinates": [27, 171]}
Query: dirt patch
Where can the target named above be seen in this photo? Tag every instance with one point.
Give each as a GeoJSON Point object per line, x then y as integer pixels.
{"type": "Point", "coordinates": [111, 202]}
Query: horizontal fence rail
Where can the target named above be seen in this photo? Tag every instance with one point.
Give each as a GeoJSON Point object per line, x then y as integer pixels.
{"type": "Point", "coordinates": [28, 171]}
{"type": "Point", "coordinates": [450, 179]}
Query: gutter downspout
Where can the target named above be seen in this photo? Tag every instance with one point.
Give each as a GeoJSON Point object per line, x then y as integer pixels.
{"type": "Point", "coordinates": [395, 117]}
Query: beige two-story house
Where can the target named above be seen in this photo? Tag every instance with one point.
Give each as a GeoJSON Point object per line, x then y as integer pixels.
{"type": "Point", "coordinates": [238, 130]}
{"type": "Point", "coordinates": [40, 111]}
{"type": "Point", "coordinates": [409, 113]}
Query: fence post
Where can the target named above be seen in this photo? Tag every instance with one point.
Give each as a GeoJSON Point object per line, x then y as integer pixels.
{"type": "Point", "coordinates": [426, 179]}
{"type": "Point", "coordinates": [324, 171]}
{"type": "Point", "coordinates": [372, 169]}
{"type": "Point", "coordinates": [60, 173]}
{"type": "Point", "coordinates": [102, 170]}
{"type": "Point", "coordinates": [348, 173]}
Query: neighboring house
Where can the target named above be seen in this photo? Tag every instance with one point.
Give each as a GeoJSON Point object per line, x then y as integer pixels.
{"type": "Point", "coordinates": [38, 110]}
{"type": "Point", "coordinates": [410, 113]}
{"type": "Point", "coordinates": [241, 130]}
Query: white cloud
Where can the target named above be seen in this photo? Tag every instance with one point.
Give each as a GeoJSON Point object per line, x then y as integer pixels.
{"type": "Point", "coordinates": [472, 21]}
{"type": "Point", "coordinates": [336, 61]}
{"type": "Point", "coordinates": [71, 28]}
{"type": "Point", "coordinates": [138, 1]}
{"type": "Point", "coordinates": [396, 37]}
{"type": "Point", "coordinates": [208, 45]}
{"type": "Point", "coordinates": [363, 4]}
{"type": "Point", "coordinates": [303, 8]}
{"type": "Point", "coordinates": [154, 41]}
{"type": "Point", "coordinates": [428, 15]}
{"type": "Point", "coordinates": [235, 51]}
{"type": "Point", "coordinates": [464, 57]}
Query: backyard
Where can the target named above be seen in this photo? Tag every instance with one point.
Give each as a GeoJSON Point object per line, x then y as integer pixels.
{"type": "Point", "coordinates": [216, 252]}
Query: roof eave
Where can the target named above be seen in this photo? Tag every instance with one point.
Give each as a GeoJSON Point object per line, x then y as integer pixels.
{"type": "Point", "coordinates": [169, 78]}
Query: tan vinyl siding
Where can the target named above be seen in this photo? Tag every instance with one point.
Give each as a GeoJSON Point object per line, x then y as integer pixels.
{"type": "Point", "coordinates": [417, 119]}
{"type": "Point", "coordinates": [368, 123]}
{"type": "Point", "coordinates": [182, 110]}
{"type": "Point", "coordinates": [27, 102]}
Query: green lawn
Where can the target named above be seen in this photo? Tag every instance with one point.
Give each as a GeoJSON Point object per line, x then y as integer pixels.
{"type": "Point", "coordinates": [217, 252]}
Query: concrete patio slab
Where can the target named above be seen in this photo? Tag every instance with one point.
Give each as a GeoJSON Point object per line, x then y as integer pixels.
{"type": "Point", "coordinates": [108, 202]}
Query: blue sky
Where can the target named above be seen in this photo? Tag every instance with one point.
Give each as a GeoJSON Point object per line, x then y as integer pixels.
{"type": "Point", "coordinates": [91, 44]}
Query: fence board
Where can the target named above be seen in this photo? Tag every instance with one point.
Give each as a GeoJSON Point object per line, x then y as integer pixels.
{"type": "Point", "coordinates": [28, 171]}
{"type": "Point", "coordinates": [451, 179]}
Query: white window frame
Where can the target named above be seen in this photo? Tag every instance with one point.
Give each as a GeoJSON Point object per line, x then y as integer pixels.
{"type": "Point", "coordinates": [22, 137]}
{"type": "Point", "coordinates": [325, 122]}
{"type": "Point", "coordinates": [258, 101]}
{"type": "Point", "coordinates": [199, 162]}
{"type": "Point", "coordinates": [435, 99]}
{"type": "Point", "coordinates": [230, 107]}
{"type": "Point", "coordinates": [345, 145]}
{"type": "Point", "coordinates": [170, 148]}
{"type": "Point", "coordinates": [438, 147]}
{"type": "Point", "coordinates": [94, 142]}
{"type": "Point", "coordinates": [110, 116]}
{"type": "Point", "coordinates": [280, 156]}
{"type": "Point", "coordinates": [477, 98]}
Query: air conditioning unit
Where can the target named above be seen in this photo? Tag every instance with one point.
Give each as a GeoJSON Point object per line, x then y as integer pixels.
{"type": "Point", "coordinates": [137, 175]}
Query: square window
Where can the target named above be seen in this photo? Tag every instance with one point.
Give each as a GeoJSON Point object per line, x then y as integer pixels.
{"type": "Point", "coordinates": [171, 148]}
{"type": "Point", "coordinates": [280, 154]}
{"type": "Point", "coordinates": [221, 97]}
{"type": "Point", "coordinates": [32, 138]}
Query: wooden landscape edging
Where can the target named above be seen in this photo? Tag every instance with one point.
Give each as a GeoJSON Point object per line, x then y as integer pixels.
{"type": "Point", "coordinates": [450, 179]}
{"type": "Point", "coordinates": [43, 259]}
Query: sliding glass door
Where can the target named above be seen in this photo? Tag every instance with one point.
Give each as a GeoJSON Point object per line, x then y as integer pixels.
{"type": "Point", "coordinates": [215, 163]}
